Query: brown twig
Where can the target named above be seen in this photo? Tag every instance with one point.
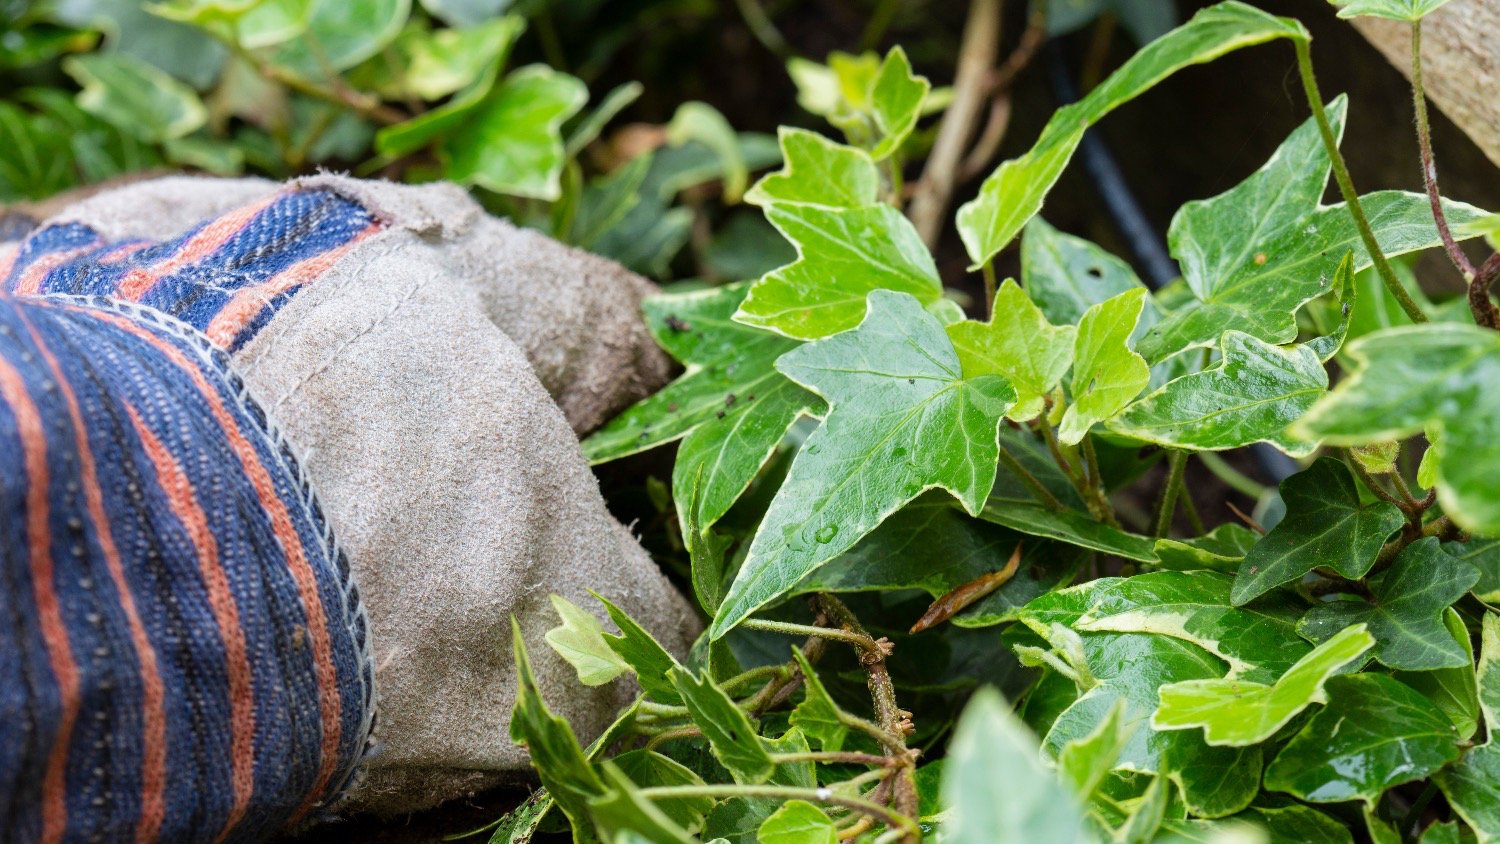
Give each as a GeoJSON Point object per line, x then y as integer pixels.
{"type": "Point", "coordinates": [1429, 163]}
{"type": "Point", "coordinates": [976, 55]}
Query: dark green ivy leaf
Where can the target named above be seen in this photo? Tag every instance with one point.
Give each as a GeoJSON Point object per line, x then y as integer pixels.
{"type": "Point", "coordinates": [1405, 614]}
{"type": "Point", "coordinates": [1326, 525]}
{"type": "Point", "coordinates": [731, 736]}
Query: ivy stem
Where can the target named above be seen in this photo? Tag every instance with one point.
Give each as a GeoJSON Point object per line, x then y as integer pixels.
{"type": "Point", "coordinates": [1176, 463]}
{"type": "Point", "coordinates": [862, 641]}
{"type": "Point", "coordinates": [341, 95]}
{"type": "Point", "coordinates": [1346, 185]}
{"type": "Point", "coordinates": [1042, 494]}
{"type": "Point", "coordinates": [1234, 478]}
{"type": "Point", "coordinates": [830, 757]}
{"type": "Point", "coordinates": [1190, 510]}
{"type": "Point", "coordinates": [1106, 511]}
{"type": "Point", "coordinates": [989, 289]}
{"type": "Point", "coordinates": [783, 792]}
{"type": "Point", "coordinates": [1429, 163]}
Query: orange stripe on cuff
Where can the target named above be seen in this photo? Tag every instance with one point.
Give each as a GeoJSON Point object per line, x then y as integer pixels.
{"type": "Point", "coordinates": [49, 611]}
{"type": "Point", "coordinates": [138, 282]}
{"type": "Point", "coordinates": [153, 696]}
{"type": "Point", "coordinates": [183, 500]}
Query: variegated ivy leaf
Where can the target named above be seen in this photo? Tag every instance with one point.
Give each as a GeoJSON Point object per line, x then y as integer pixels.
{"type": "Point", "coordinates": [135, 96]}
{"type": "Point", "coordinates": [1067, 275]}
{"type": "Point", "coordinates": [1470, 784]}
{"type": "Point", "coordinates": [1398, 10]}
{"type": "Point", "coordinates": [1441, 377]}
{"type": "Point", "coordinates": [1018, 344]}
{"type": "Point", "coordinates": [1107, 374]}
{"type": "Point", "coordinates": [512, 141]}
{"type": "Point", "coordinates": [896, 100]}
{"type": "Point", "coordinates": [1252, 395]}
{"type": "Point", "coordinates": [825, 201]}
{"type": "Point", "coordinates": [1253, 255]}
{"type": "Point", "coordinates": [1015, 191]}
{"type": "Point", "coordinates": [903, 418]}
{"type": "Point", "coordinates": [1239, 713]}
{"type": "Point", "coordinates": [876, 103]}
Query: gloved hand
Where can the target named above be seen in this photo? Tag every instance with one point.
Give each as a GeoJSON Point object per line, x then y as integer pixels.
{"type": "Point", "coordinates": [408, 375]}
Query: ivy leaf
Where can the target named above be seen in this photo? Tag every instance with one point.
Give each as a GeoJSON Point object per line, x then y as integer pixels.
{"type": "Point", "coordinates": [1292, 822]}
{"type": "Point", "coordinates": [1326, 523]}
{"type": "Point", "coordinates": [1084, 762]}
{"type": "Point", "coordinates": [1221, 549]}
{"type": "Point", "coordinates": [1067, 275]}
{"type": "Point", "coordinates": [1106, 373]}
{"type": "Point", "coordinates": [1439, 377]}
{"type": "Point", "coordinates": [902, 420]}
{"type": "Point", "coordinates": [730, 402]}
{"type": "Point", "coordinates": [622, 814]}
{"type": "Point", "coordinates": [1018, 344]}
{"type": "Point", "coordinates": [843, 255]}
{"type": "Point", "coordinates": [580, 641]}
{"type": "Point", "coordinates": [1472, 785]}
{"type": "Point", "coordinates": [1150, 810]}
{"type": "Point", "coordinates": [818, 171]}
{"type": "Point", "coordinates": [817, 716]}
{"type": "Point", "coordinates": [648, 769]}
{"type": "Point", "coordinates": [1453, 690]}
{"type": "Point", "coordinates": [1406, 616]}
{"type": "Point", "coordinates": [731, 736]}
{"type": "Point", "coordinates": [996, 787]}
{"type": "Point", "coordinates": [1257, 642]}
{"type": "Point", "coordinates": [1398, 10]}
{"type": "Point", "coordinates": [135, 96]}
{"type": "Point", "coordinates": [340, 35]}
{"type": "Point", "coordinates": [511, 143]}
{"type": "Point", "coordinates": [1015, 191]}
{"type": "Point", "coordinates": [645, 656]}
{"type": "Point", "coordinates": [1255, 254]}
{"type": "Point", "coordinates": [798, 822]}
{"type": "Point", "coordinates": [1255, 392]}
{"type": "Point", "coordinates": [896, 101]}
{"type": "Point", "coordinates": [1239, 713]}
{"type": "Point", "coordinates": [559, 761]}
{"type": "Point", "coordinates": [1026, 515]}
{"type": "Point", "coordinates": [1374, 733]}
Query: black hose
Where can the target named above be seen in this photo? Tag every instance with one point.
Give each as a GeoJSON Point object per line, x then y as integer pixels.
{"type": "Point", "coordinates": [1145, 243]}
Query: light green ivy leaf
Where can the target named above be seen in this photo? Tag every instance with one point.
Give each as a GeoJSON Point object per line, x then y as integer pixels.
{"type": "Point", "coordinates": [580, 641]}
{"type": "Point", "coordinates": [135, 96]}
{"type": "Point", "coordinates": [902, 419]}
{"type": "Point", "coordinates": [1440, 377]}
{"type": "Point", "coordinates": [1327, 524]}
{"type": "Point", "coordinates": [1084, 762]}
{"type": "Point", "coordinates": [1018, 344]}
{"type": "Point", "coordinates": [996, 787]}
{"type": "Point", "coordinates": [1254, 393]}
{"type": "Point", "coordinates": [798, 822]}
{"type": "Point", "coordinates": [1107, 374]}
{"type": "Point", "coordinates": [342, 33]}
{"type": "Point", "coordinates": [1015, 191]}
{"type": "Point", "coordinates": [1406, 610]}
{"type": "Point", "coordinates": [1239, 713]}
{"type": "Point", "coordinates": [1397, 10]}
{"type": "Point", "coordinates": [817, 171]}
{"type": "Point", "coordinates": [511, 142]}
{"type": "Point", "coordinates": [896, 101]}
{"type": "Point", "coordinates": [817, 716]}
{"type": "Point", "coordinates": [1374, 733]}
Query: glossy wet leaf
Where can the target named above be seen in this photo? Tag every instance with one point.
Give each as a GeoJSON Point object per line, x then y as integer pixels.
{"type": "Point", "coordinates": [1239, 713]}
{"type": "Point", "coordinates": [1251, 396]}
{"type": "Point", "coordinates": [1107, 374]}
{"type": "Point", "coordinates": [902, 419]}
{"type": "Point", "coordinates": [731, 736]}
{"type": "Point", "coordinates": [645, 656]}
{"type": "Point", "coordinates": [817, 171]}
{"type": "Point", "coordinates": [511, 142]}
{"type": "Point", "coordinates": [798, 822]}
{"type": "Point", "coordinates": [342, 33]}
{"type": "Point", "coordinates": [1373, 734]}
{"type": "Point", "coordinates": [1327, 524]}
{"type": "Point", "coordinates": [1399, 10]}
{"type": "Point", "coordinates": [1067, 275]}
{"type": "Point", "coordinates": [843, 255]}
{"type": "Point", "coordinates": [1472, 785]}
{"type": "Point", "coordinates": [1253, 255]}
{"type": "Point", "coordinates": [550, 742]}
{"type": "Point", "coordinates": [1016, 190]}
{"type": "Point", "coordinates": [996, 787]}
{"type": "Point", "coordinates": [1439, 377]}
{"type": "Point", "coordinates": [896, 102]}
{"type": "Point", "coordinates": [580, 641]}
{"type": "Point", "coordinates": [730, 402]}
{"type": "Point", "coordinates": [1405, 613]}
{"type": "Point", "coordinates": [1258, 642]}
{"type": "Point", "coordinates": [1018, 344]}
{"type": "Point", "coordinates": [1071, 526]}
{"type": "Point", "coordinates": [135, 96]}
